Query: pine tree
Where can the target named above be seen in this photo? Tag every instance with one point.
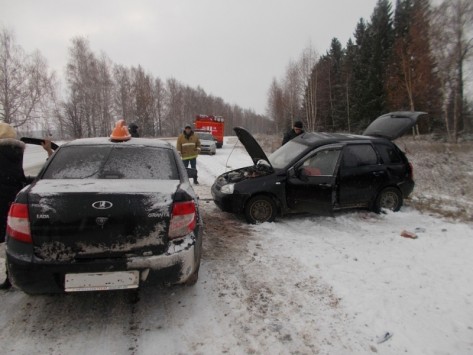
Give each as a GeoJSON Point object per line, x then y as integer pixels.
{"type": "Point", "coordinates": [411, 83]}
{"type": "Point", "coordinates": [381, 38]}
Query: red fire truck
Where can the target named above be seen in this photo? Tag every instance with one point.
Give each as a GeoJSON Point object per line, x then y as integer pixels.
{"type": "Point", "coordinates": [214, 124]}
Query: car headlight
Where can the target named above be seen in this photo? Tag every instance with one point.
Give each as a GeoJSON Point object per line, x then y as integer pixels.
{"type": "Point", "coordinates": [227, 189]}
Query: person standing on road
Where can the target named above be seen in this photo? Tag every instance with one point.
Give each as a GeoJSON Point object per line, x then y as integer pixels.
{"type": "Point", "coordinates": [293, 133]}
{"type": "Point", "coordinates": [188, 146]}
{"type": "Point", "coordinates": [12, 176]}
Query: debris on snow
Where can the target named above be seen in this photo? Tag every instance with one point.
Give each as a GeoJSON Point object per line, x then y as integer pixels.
{"type": "Point", "coordinates": [407, 234]}
{"type": "Point", "coordinates": [384, 337]}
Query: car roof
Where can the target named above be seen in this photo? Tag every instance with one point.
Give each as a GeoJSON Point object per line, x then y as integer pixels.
{"type": "Point", "coordinates": [323, 138]}
{"type": "Point", "coordinates": [131, 142]}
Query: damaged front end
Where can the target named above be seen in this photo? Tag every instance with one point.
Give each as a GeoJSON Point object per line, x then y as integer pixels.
{"type": "Point", "coordinates": [230, 190]}
{"type": "Point", "coordinates": [262, 168]}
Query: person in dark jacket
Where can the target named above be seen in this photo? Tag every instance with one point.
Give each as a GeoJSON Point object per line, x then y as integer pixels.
{"type": "Point", "coordinates": [293, 133]}
{"type": "Point", "coordinates": [12, 176]}
{"type": "Point", "coordinates": [133, 129]}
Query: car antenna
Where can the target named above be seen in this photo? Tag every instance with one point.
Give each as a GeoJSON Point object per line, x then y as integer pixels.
{"type": "Point", "coordinates": [229, 155]}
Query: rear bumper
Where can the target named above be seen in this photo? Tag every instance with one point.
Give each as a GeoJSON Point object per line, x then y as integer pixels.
{"type": "Point", "coordinates": [406, 187]}
{"type": "Point", "coordinates": [34, 276]}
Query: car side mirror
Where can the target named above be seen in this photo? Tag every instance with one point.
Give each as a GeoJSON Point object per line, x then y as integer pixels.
{"type": "Point", "coordinates": [303, 173]}
{"type": "Point", "coordinates": [291, 173]}
{"type": "Point", "coordinates": [191, 173]}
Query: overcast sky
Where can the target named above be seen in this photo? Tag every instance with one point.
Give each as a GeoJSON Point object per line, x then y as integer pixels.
{"type": "Point", "coordinates": [231, 48]}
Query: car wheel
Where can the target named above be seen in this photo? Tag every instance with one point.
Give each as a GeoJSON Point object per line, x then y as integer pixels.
{"type": "Point", "coordinates": [260, 209]}
{"type": "Point", "coordinates": [390, 199]}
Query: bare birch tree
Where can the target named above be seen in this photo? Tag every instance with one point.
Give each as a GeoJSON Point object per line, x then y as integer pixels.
{"type": "Point", "coordinates": [25, 83]}
{"type": "Point", "coordinates": [308, 85]}
{"type": "Point", "coordinates": [453, 47]}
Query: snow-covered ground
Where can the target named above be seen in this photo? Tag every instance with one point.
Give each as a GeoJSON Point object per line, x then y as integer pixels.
{"type": "Point", "coordinates": [302, 285]}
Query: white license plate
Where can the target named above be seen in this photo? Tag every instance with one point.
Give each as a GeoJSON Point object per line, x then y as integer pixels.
{"type": "Point", "coordinates": [103, 281]}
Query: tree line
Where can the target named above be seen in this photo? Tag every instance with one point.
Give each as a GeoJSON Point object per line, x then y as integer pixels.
{"type": "Point", "coordinates": [412, 58]}
{"type": "Point", "coordinates": [97, 92]}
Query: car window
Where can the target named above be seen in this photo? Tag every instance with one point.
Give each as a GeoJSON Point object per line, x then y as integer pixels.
{"type": "Point", "coordinates": [206, 137]}
{"type": "Point", "coordinates": [321, 164]}
{"type": "Point", "coordinates": [108, 162]}
{"type": "Point", "coordinates": [286, 154]}
{"type": "Point", "coordinates": [389, 154]}
{"type": "Point", "coordinates": [359, 155]}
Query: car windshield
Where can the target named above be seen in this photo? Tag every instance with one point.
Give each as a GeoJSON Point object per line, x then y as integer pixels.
{"type": "Point", "coordinates": [286, 154]}
{"type": "Point", "coordinates": [109, 162]}
{"type": "Point", "coordinates": [206, 137]}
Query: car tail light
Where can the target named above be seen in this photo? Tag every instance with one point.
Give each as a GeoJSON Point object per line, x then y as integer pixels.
{"type": "Point", "coordinates": [411, 171]}
{"type": "Point", "coordinates": [18, 224]}
{"type": "Point", "coordinates": [183, 219]}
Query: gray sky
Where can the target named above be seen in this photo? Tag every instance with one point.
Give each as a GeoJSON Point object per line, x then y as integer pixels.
{"type": "Point", "coordinates": [231, 48]}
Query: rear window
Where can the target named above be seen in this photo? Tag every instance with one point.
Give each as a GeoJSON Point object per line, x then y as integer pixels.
{"type": "Point", "coordinates": [109, 162]}
{"type": "Point", "coordinates": [389, 154]}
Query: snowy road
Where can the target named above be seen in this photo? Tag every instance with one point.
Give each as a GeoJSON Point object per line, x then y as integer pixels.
{"type": "Point", "coordinates": [301, 285]}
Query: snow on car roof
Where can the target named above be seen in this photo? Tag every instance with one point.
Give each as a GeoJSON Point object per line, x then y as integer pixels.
{"type": "Point", "coordinates": [133, 141]}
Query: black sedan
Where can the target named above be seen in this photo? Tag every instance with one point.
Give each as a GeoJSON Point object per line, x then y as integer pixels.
{"type": "Point", "coordinates": [105, 215]}
{"type": "Point", "coordinates": [321, 173]}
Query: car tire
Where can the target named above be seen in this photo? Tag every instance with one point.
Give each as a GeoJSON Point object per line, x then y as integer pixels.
{"type": "Point", "coordinates": [389, 198]}
{"type": "Point", "coordinates": [260, 209]}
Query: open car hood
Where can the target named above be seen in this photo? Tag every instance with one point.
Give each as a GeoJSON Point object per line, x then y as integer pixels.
{"type": "Point", "coordinates": [393, 125]}
{"type": "Point", "coordinates": [251, 145]}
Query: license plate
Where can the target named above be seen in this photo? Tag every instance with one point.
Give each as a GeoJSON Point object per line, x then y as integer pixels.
{"type": "Point", "coordinates": [103, 281]}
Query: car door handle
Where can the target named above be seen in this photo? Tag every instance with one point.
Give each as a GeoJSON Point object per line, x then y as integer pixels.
{"type": "Point", "coordinates": [378, 173]}
{"type": "Point", "coordinates": [325, 185]}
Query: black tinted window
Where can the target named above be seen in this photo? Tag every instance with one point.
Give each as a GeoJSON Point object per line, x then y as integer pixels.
{"type": "Point", "coordinates": [359, 155]}
{"type": "Point", "coordinates": [389, 154]}
{"type": "Point", "coordinates": [107, 162]}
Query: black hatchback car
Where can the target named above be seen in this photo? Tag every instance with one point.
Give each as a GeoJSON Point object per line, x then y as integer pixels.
{"type": "Point", "coordinates": [321, 173]}
{"type": "Point", "coordinates": [105, 215]}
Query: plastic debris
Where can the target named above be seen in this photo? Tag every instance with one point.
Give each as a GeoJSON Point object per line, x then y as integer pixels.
{"type": "Point", "coordinates": [384, 337]}
{"type": "Point", "coordinates": [407, 234]}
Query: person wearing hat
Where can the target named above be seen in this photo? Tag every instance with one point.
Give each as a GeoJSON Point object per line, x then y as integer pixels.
{"type": "Point", "coordinates": [12, 176]}
{"type": "Point", "coordinates": [293, 133]}
{"type": "Point", "coordinates": [188, 146]}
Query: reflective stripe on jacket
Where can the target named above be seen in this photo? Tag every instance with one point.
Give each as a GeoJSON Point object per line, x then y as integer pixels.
{"type": "Point", "coordinates": [188, 145]}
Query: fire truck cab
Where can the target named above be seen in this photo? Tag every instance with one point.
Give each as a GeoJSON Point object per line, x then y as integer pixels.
{"type": "Point", "coordinates": [214, 124]}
